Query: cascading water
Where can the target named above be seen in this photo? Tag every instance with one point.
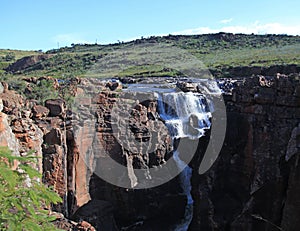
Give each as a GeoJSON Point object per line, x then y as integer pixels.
{"type": "Point", "coordinates": [186, 115]}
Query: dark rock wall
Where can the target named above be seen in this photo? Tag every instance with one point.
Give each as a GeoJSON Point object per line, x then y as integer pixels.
{"type": "Point", "coordinates": [254, 183]}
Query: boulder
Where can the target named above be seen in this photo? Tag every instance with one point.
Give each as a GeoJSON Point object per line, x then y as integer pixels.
{"type": "Point", "coordinates": [186, 87]}
{"type": "Point", "coordinates": [56, 107]}
{"type": "Point", "coordinates": [113, 85]}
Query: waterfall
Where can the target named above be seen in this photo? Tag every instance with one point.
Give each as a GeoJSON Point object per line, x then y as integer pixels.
{"type": "Point", "coordinates": [185, 183]}
{"type": "Point", "coordinates": [187, 115]}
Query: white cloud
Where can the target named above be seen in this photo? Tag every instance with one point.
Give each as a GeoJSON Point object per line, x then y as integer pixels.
{"type": "Point", "coordinates": [68, 39]}
{"type": "Point", "coordinates": [225, 21]}
{"type": "Point", "coordinates": [256, 28]}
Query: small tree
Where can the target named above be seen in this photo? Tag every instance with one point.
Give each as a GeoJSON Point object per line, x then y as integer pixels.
{"type": "Point", "coordinates": [22, 195]}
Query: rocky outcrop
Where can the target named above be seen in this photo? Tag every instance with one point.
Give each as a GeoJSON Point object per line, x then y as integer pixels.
{"type": "Point", "coordinates": [26, 62]}
{"type": "Point", "coordinates": [19, 132]}
{"type": "Point", "coordinates": [27, 128]}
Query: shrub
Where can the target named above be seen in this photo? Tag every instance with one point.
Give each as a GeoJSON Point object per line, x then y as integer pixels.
{"type": "Point", "coordinates": [22, 196]}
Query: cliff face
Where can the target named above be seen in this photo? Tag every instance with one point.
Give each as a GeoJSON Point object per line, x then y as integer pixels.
{"type": "Point", "coordinates": [252, 185]}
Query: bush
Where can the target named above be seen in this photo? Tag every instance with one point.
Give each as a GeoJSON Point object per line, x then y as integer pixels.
{"type": "Point", "coordinates": [22, 196]}
{"type": "Point", "coordinates": [10, 57]}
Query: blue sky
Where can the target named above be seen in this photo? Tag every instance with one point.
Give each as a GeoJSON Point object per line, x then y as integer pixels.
{"type": "Point", "coordinates": [42, 24]}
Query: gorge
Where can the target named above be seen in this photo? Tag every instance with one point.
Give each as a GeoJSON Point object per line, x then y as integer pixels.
{"type": "Point", "coordinates": [253, 184]}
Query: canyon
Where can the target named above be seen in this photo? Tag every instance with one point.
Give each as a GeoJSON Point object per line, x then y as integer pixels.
{"type": "Point", "coordinates": [104, 152]}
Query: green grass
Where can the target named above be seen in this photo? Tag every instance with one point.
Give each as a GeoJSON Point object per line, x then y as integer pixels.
{"type": "Point", "coordinates": [268, 56]}
{"type": "Point", "coordinates": [216, 51]}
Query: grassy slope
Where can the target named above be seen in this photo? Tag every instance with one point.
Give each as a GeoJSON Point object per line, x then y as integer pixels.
{"type": "Point", "coordinates": [216, 51]}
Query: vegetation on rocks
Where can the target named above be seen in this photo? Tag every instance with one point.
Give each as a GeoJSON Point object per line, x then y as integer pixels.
{"type": "Point", "coordinates": [22, 196]}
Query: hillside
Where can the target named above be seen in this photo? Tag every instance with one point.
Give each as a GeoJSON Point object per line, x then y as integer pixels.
{"type": "Point", "coordinates": [8, 57]}
{"type": "Point", "coordinates": [222, 53]}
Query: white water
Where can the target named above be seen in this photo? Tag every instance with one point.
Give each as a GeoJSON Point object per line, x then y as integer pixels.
{"type": "Point", "coordinates": [186, 115]}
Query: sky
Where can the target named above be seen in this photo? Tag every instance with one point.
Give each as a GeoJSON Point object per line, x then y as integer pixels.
{"type": "Point", "coordinates": [48, 24]}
